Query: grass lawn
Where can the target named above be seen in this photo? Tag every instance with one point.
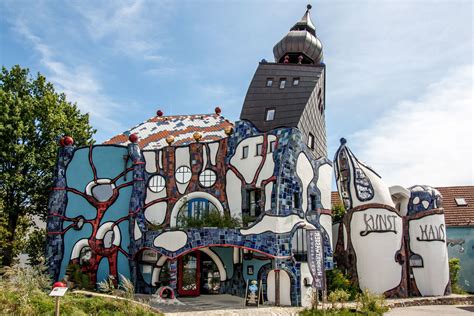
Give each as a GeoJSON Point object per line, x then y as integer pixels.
{"type": "Point", "coordinates": [39, 303]}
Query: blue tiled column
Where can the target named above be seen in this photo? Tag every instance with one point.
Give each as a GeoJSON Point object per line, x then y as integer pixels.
{"type": "Point", "coordinates": [57, 205]}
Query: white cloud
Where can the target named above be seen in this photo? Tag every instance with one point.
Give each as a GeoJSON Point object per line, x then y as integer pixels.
{"type": "Point", "coordinates": [424, 141]}
{"type": "Point", "coordinates": [128, 27]}
{"type": "Point", "coordinates": [78, 82]}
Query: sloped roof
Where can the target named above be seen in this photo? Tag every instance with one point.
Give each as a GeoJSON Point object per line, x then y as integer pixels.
{"type": "Point", "coordinates": [458, 215]}
{"type": "Point", "coordinates": [153, 132]}
{"type": "Point", "coordinates": [454, 215]}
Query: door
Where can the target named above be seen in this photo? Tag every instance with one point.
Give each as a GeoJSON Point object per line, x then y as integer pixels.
{"type": "Point", "coordinates": [189, 274]}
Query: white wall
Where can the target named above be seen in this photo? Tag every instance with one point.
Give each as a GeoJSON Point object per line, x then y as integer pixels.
{"type": "Point", "coordinates": [376, 266]}
{"type": "Point", "coordinates": [433, 278]}
{"type": "Point", "coordinates": [324, 185]}
{"type": "Point", "coordinates": [305, 172]}
{"type": "Point", "coordinates": [306, 291]}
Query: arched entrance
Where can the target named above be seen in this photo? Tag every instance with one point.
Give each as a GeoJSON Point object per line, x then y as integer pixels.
{"type": "Point", "coordinates": [200, 272]}
{"type": "Point", "coordinates": [284, 287]}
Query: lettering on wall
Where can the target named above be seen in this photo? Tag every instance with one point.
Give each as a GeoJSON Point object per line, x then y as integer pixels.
{"type": "Point", "coordinates": [432, 233]}
{"type": "Point", "coordinates": [379, 224]}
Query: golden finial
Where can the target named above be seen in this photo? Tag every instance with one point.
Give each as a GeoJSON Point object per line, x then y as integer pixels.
{"type": "Point", "coordinates": [170, 140]}
{"type": "Point", "coordinates": [197, 136]}
{"type": "Point", "coordinates": [229, 130]}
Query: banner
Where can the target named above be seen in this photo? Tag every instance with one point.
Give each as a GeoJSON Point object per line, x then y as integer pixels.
{"type": "Point", "coordinates": [314, 242]}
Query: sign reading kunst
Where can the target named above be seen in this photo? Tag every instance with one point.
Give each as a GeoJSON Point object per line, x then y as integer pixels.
{"type": "Point", "coordinates": [314, 240]}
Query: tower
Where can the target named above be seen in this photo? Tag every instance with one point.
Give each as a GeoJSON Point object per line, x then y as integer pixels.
{"type": "Point", "coordinates": [290, 92]}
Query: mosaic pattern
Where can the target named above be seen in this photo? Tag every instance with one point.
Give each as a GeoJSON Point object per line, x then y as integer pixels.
{"type": "Point", "coordinates": [131, 170]}
{"type": "Point", "coordinates": [423, 198]}
{"type": "Point", "coordinates": [152, 133]}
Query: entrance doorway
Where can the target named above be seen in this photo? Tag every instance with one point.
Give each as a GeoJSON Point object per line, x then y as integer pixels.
{"type": "Point", "coordinates": [189, 274]}
{"type": "Point", "coordinates": [198, 274]}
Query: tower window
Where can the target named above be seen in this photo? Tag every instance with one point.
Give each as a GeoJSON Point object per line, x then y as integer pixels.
{"type": "Point", "coordinates": [245, 152]}
{"type": "Point", "coordinates": [269, 114]}
{"type": "Point", "coordinates": [252, 206]}
{"type": "Point", "coordinates": [269, 82]}
{"type": "Point", "coordinates": [258, 151]}
{"type": "Point", "coordinates": [282, 83]}
{"type": "Point", "coordinates": [296, 200]}
{"type": "Point", "coordinates": [296, 81]}
{"type": "Point", "coordinates": [311, 141]}
{"type": "Point", "coordinates": [313, 202]}
{"type": "Point", "coordinates": [298, 245]}
{"type": "Point", "coordinates": [272, 146]}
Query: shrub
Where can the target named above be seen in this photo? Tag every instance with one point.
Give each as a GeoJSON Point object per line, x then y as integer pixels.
{"type": "Point", "coordinates": [213, 218]}
{"type": "Point", "coordinates": [371, 303]}
{"type": "Point", "coordinates": [454, 268]}
{"type": "Point", "coordinates": [24, 291]}
{"type": "Point", "coordinates": [78, 279]}
{"type": "Point", "coordinates": [340, 296]}
{"type": "Point", "coordinates": [337, 280]}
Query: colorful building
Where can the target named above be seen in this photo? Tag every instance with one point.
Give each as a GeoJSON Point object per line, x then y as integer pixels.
{"type": "Point", "coordinates": [458, 202]}
{"type": "Point", "coordinates": [201, 204]}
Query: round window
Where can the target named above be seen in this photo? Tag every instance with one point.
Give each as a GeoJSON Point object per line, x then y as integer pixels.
{"type": "Point", "coordinates": [156, 183]}
{"type": "Point", "coordinates": [207, 178]}
{"type": "Point", "coordinates": [183, 174]}
{"type": "Point", "coordinates": [103, 192]}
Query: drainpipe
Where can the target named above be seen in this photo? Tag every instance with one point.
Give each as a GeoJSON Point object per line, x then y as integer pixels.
{"type": "Point", "coordinates": [277, 287]}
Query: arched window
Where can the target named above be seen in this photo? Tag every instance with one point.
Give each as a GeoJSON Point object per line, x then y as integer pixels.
{"type": "Point", "coordinates": [156, 183]}
{"type": "Point", "coordinates": [195, 209]}
{"type": "Point", "coordinates": [298, 245]}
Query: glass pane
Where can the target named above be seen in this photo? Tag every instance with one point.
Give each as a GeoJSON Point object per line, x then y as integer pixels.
{"type": "Point", "coordinates": [189, 273]}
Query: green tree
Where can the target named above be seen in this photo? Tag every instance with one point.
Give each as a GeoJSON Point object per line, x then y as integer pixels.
{"type": "Point", "coordinates": [338, 212]}
{"type": "Point", "coordinates": [33, 117]}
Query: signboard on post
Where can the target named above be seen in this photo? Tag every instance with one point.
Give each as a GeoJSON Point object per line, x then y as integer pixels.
{"type": "Point", "coordinates": [314, 242]}
{"type": "Point", "coordinates": [58, 291]}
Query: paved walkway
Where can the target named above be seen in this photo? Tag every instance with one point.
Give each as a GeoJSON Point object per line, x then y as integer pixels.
{"type": "Point", "coordinates": [229, 305]}
{"type": "Point", "coordinates": [432, 310]}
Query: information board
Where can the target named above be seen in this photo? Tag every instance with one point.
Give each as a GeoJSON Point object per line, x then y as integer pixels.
{"type": "Point", "coordinates": [314, 240]}
{"type": "Point", "coordinates": [58, 291]}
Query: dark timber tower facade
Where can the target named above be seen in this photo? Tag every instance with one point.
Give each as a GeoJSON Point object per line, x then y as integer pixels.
{"type": "Point", "coordinates": [291, 91]}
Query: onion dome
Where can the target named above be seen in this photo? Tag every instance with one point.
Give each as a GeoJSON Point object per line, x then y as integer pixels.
{"type": "Point", "coordinates": [300, 45]}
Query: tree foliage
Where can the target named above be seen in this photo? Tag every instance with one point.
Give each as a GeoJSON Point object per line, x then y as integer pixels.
{"type": "Point", "coordinates": [338, 212]}
{"type": "Point", "coordinates": [33, 117]}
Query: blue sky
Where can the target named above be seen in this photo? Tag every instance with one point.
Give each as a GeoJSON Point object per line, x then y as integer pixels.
{"type": "Point", "coordinates": [399, 73]}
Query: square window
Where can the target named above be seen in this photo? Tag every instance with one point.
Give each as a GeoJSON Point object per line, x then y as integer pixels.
{"type": "Point", "coordinates": [282, 83]}
{"type": "Point", "coordinates": [269, 114]}
{"type": "Point", "coordinates": [310, 141]}
{"type": "Point", "coordinates": [269, 82]}
{"type": "Point", "coordinates": [245, 152]}
{"type": "Point", "coordinates": [258, 151]}
{"type": "Point", "coordinates": [460, 201]}
{"type": "Point", "coordinates": [272, 146]}
{"type": "Point", "coordinates": [296, 81]}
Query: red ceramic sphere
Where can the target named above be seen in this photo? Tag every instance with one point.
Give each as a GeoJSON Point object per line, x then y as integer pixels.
{"type": "Point", "coordinates": [159, 113]}
{"type": "Point", "coordinates": [68, 141]}
{"type": "Point", "coordinates": [217, 110]}
{"type": "Point", "coordinates": [133, 138]}
{"type": "Point", "coordinates": [59, 284]}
